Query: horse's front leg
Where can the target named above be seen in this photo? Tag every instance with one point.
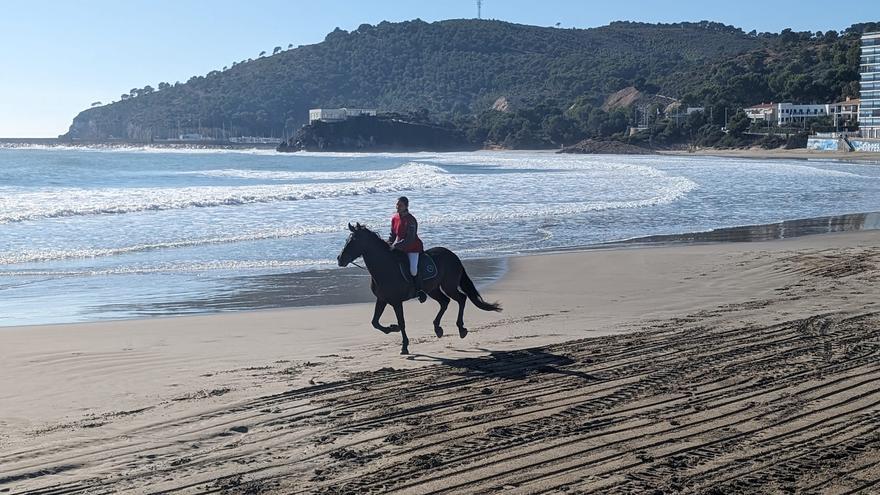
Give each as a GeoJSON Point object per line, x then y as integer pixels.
{"type": "Point", "coordinates": [398, 310]}
{"type": "Point", "coordinates": [377, 313]}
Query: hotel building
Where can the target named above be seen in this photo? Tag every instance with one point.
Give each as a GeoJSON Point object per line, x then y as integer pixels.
{"type": "Point", "coordinates": [869, 108]}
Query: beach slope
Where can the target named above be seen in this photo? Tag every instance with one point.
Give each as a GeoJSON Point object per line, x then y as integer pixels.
{"type": "Point", "coordinates": [747, 367]}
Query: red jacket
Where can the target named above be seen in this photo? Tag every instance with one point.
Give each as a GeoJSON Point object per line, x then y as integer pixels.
{"type": "Point", "coordinates": [404, 233]}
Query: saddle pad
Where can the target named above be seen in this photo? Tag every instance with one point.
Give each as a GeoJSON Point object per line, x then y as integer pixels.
{"type": "Point", "coordinates": [427, 267]}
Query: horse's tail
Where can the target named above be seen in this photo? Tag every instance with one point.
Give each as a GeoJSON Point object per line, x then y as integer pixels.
{"type": "Point", "coordinates": [467, 285]}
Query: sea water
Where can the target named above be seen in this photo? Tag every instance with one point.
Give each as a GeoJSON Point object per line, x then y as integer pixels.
{"type": "Point", "coordinates": [89, 234]}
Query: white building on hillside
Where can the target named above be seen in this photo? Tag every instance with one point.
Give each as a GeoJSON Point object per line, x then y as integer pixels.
{"type": "Point", "coordinates": [789, 113]}
{"type": "Point", "coordinates": [337, 114]}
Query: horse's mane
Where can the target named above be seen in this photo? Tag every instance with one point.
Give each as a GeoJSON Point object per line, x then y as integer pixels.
{"type": "Point", "coordinates": [364, 229]}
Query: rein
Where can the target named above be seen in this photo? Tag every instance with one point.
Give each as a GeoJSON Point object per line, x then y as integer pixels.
{"type": "Point", "coordinates": [359, 266]}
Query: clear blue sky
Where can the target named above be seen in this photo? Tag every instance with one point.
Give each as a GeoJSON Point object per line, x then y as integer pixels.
{"type": "Point", "coordinates": [59, 56]}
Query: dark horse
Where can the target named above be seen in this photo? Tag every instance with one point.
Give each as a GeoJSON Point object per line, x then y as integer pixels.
{"type": "Point", "coordinates": [390, 286]}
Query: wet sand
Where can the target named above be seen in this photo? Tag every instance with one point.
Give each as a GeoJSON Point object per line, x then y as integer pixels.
{"type": "Point", "coordinates": [351, 285]}
{"type": "Point", "coordinates": [700, 368]}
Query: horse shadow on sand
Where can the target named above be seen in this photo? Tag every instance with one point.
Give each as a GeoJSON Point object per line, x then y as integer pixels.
{"type": "Point", "coordinates": [509, 365]}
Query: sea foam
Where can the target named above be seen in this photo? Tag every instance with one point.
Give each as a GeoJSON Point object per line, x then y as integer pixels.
{"type": "Point", "coordinates": [19, 204]}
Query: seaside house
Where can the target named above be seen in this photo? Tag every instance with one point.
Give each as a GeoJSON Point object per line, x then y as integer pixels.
{"type": "Point", "coordinates": [765, 112]}
{"type": "Point", "coordinates": [869, 69]}
{"type": "Point", "coordinates": [337, 114]}
{"type": "Point", "coordinates": [790, 113]}
{"type": "Point", "coordinates": [846, 111]}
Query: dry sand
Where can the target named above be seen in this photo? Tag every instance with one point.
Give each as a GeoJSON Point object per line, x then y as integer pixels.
{"type": "Point", "coordinates": [725, 368]}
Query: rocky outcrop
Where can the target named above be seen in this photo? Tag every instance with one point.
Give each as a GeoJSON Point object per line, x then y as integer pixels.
{"type": "Point", "coordinates": [501, 105]}
{"type": "Point", "coordinates": [376, 134]}
{"type": "Point", "coordinates": [630, 96]}
{"type": "Point", "coordinates": [594, 146]}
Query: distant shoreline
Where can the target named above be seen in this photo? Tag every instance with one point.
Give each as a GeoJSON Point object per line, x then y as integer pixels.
{"type": "Point", "coordinates": [778, 153]}
{"type": "Point", "coordinates": [54, 142]}
{"type": "Point", "coordinates": [751, 153]}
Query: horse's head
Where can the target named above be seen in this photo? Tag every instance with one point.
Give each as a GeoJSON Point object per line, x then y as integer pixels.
{"type": "Point", "coordinates": [354, 246]}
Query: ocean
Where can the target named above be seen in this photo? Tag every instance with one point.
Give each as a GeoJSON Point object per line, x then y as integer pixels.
{"type": "Point", "coordinates": [91, 234]}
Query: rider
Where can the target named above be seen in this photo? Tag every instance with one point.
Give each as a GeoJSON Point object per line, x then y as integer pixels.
{"type": "Point", "coordinates": [404, 236]}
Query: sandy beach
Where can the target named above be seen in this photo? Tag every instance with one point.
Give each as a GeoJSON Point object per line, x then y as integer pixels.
{"type": "Point", "coordinates": [716, 368]}
{"type": "Point", "coordinates": [800, 153]}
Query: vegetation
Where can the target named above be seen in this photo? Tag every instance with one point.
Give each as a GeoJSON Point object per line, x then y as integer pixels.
{"type": "Point", "coordinates": [555, 80]}
{"type": "Point", "coordinates": [452, 68]}
{"type": "Point", "coordinates": [798, 67]}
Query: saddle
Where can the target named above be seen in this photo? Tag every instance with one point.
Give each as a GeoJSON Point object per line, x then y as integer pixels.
{"type": "Point", "coordinates": [427, 267]}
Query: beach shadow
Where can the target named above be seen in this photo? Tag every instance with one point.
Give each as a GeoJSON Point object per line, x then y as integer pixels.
{"type": "Point", "coordinates": [510, 365]}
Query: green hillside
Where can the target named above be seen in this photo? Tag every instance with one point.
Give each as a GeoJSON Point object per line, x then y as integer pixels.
{"type": "Point", "coordinates": [449, 68]}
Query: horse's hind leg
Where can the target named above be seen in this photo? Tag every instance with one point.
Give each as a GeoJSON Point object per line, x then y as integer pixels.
{"type": "Point", "coordinates": [441, 298]}
{"type": "Point", "coordinates": [461, 299]}
{"type": "Point", "coordinates": [398, 310]}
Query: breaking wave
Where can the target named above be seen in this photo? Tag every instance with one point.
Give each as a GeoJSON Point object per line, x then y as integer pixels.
{"type": "Point", "coordinates": [18, 205]}
{"type": "Point", "coordinates": [180, 267]}
{"type": "Point", "coordinates": [35, 256]}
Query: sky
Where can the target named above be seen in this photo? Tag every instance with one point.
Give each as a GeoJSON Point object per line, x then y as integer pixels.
{"type": "Point", "coordinates": [58, 57]}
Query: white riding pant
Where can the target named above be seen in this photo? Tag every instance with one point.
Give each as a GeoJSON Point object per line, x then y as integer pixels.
{"type": "Point", "coordinates": [413, 263]}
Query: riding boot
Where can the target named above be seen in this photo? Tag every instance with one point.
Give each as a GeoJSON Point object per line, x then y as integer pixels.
{"type": "Point", "coordinates": [417, 283]}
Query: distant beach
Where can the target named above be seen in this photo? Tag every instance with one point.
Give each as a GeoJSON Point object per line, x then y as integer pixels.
{"type": "Point", "coordinates": [780, 153]}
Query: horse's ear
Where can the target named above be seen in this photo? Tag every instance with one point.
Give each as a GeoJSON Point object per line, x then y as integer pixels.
{"type": "Point", "coordinates": [358, 225]}
{"type": "Point", "coordinates": [350, 227]}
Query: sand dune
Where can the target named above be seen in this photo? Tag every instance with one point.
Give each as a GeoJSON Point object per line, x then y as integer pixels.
{"type": "Point", "coordinates": [737, 368]}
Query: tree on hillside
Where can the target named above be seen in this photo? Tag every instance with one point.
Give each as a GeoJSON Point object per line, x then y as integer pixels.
{"type": "Point", "coordinates": [457, 69]}
{"type": "Point", "coordinates": [96, 104]}
{"type": "Point", "coordinates": [738, 124]}
{"type": "Point", "coordinates": [289, 46]}
{"type": "Point", "coordinates": [263, 53]}
{"type": "Point", "coordinates": [147, 90]}
{"type": "Point", "coordinates": [276, 50]}
{"type": "Point", "coordinates": [163, 86]}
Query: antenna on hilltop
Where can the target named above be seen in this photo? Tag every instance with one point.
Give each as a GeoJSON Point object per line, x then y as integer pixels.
{"type": "Point", "coordinates": [479, 9]}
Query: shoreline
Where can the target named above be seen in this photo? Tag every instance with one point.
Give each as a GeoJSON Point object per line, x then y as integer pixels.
{"type": "Point", "coordinates": [330, 287]}
{"type": "Point", "coordinates": [778, 153]}
{"type": "Point", "coordinates": [750, 153]}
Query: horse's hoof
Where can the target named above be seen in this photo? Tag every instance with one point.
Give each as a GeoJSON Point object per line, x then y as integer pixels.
{"type": "Point", "coordinates": [438, 330]}
{"type": "Point", "coordinates": [393, 329]}
{"type": "Point", "coordinates": [462, 332]}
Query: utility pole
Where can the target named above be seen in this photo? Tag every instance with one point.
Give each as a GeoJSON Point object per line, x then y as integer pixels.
{"type": "Point", "coordinates": [479, 9]}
